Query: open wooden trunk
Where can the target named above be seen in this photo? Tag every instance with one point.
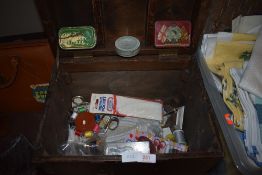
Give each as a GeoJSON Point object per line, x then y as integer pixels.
{"type": "Point", "coordinates": [153, 73]}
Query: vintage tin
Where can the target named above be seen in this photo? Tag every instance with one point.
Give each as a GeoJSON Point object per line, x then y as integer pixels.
{"type": "Point", "coordinates": [83, 37]}
{"type": "Point", "coordinates": [172, 33]}
{"type": "Point", "coordinates": [179, 136]}
{"type": "Point", "coordinates": [127, 46]}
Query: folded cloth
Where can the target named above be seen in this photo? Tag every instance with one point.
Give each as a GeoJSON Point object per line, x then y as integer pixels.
{"type": "Point", "coordinates": [229, 50]}
{"type": "Point", "coordinates": [252, 80]}
{"type": "Point", "coordinates": [229, 47]}
{"type": "Point", "coordinates": [230, 95]}
{"type": "Point", "coordinates": [252, 126]}
{"type": "Point", "coordinates": [247, 24]}
{"type": "Point", "coordinates": [207, 49]}
{"type": "Point", "coordinates": [208, 45]}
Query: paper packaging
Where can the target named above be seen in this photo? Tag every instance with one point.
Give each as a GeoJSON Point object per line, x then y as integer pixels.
{"type": "Point", "coordinates": [126, 106]}
{"type": "Point", "coordinates": [121, 148]}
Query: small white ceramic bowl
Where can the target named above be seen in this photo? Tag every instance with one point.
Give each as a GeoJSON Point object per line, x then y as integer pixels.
{"type": "Point", "coordinates": [127, 46]}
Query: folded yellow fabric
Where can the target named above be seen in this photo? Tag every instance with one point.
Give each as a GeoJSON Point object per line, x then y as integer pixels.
{"type": "Point", "coordinates": [230, 95]}
{"type": "Point", "coordinates": [228, 54]}
{"type": "Point", "coordinates": [227, 51]}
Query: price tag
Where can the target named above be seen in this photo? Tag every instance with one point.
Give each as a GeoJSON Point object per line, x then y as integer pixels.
{"type": "Point", "coordinates": [147, 158]}
{"type": "Point", "coordinates": [138, 157]}
{"type": "Point", "coordinates": [129, 157]}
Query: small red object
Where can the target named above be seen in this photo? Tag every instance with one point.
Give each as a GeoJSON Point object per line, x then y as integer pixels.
{"type": "Point", "coordinates": [230, 122]}
{"type": "Point", "coordinates": [78, 133]}
{"type": "Point", "coordinates": [96, 128]}
{"type": "Point", "coordinates": [85, 121]}
{"type": "Point", "coordinates": [227, 117]}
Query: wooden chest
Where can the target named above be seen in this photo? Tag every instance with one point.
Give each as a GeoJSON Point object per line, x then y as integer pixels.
{"type": "Point", "coordinates": [154, 73]}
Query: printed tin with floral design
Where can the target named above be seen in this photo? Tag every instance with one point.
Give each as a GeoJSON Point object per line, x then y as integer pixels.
{"type": "Point", "coordinates": [172, 33]}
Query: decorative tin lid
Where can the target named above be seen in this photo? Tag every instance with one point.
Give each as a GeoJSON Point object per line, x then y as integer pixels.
{"type": "Point", "coordinates": [127, 46]}
{"type": "Point", "coordinates": [83, 37]}
{"type": "Point", "coordinates": [172, 33]}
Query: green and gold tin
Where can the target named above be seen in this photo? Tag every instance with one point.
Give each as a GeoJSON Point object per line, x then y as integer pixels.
{"type": "Point", "coordinates": [83, 37]}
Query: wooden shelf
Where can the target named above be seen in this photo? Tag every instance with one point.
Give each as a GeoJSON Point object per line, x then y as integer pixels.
{"type": "Point", "coordinates": [117, 63]}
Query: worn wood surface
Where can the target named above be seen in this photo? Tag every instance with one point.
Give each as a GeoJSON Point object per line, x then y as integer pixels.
{"type": "Point", "coordinates": [57, 165]}
{"type": "Point", "coordinates": [113, 19]}
{"type": "Point", "coordinates": [115, 63]}
{"type": "Point", "coordinates": [198, 126]}
{"type": "Point", "coordinates": [222, 12]}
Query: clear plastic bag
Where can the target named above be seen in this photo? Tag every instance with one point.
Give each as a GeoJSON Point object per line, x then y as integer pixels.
{"type": "Point", "coordinates": [130, 125]}
{"type": "Point", "coordinates": [81, 146]}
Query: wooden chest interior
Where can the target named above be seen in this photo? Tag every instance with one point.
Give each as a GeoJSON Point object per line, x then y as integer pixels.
{"type": "Point", "coordinates": [154, 73]}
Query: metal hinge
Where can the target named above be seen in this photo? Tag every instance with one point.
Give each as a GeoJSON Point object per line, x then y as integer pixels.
{"type": "Point", "coordinates": [167, 56]}
{"type": "Point", "coordinates": [82, 58]}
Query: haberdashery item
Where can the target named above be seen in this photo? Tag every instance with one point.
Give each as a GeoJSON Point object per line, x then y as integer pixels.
{"type": "Point", "coordinates": [172, 33]}
{"type": "Point", "coordinates": [167, 116]}
{"type": "Point", "coordinates": [78, 133]}
{"type": "Point", "coordinates": [83, 37]}
{"type": "Point", "coordinates": [74, 115]}
{"type": "Point", "coordinates": [77, 100]}
{"type": "Point", "coordinates": [179, 137]}
{"type": "Point", "coordinates": [130, 128]}
{"type": "Point", "coordinates": [251, 80]}
{"type": "Point", "coordinates": [151, 144]}
{"type": "Point", "coordinates": [127, 46]}
{"type": "Point", "coordinates": [138, 157]}
{"type": "Point", "coordinates": [179, 118]}
{"type": "Point", "coordinates": [88, 134]}
{"type": "Point", "coordinates": [97, 118]}
{"type": "Point", "coordinates": [159, 144]}
{"type": "Point", "coordinates": [78, 145]}
{"type": "Point", "coordinates": [126, 106]}
{"type": "Point", "coordinates": [164, 120]}
{"type": "Point", "coordinates": [83, 107]}
{"type": "Point", "coordinates": [39, 92]}
{"type": "Point", "coordinates": [166, 132]}
{"type": "Point", "coordinates": [85, 121]}
{"type": "Point", "coordinates": [96, 128]}
{"type": "Point", "coordinates": [121, 148]}
{"type": "Point", "coordinates": [179, 147]}
{"type": "Point", "coordinates": [71, 123]}
{"type": "Point", "coordinates": [109, 122]}
{"type": "Point", "coordinates": [170, 137]}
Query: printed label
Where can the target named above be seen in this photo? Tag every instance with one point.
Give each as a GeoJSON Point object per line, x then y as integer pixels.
{"type": "Point", "coordinates": [110, 104]}
{"type": "Point", "coordinates": [148, 158]}
{"type": "Point", "coordinates": [129, 157]}
{"type": "Point", "coordinates": [138, 157]}
{"type": "Point", "coordinates": [102, 104]}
